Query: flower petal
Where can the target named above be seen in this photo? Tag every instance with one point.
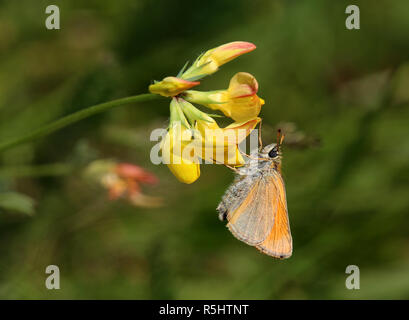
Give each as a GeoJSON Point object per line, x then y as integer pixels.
{"type": "Point", "coordinates": [242, 84]}
{"type": "Point", "coordinates": [185, 169]}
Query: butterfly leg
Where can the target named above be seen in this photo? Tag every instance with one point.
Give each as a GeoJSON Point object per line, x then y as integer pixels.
{"type": "Point", "coordinates": [260, 141]}
{"type": "Point", "coordinates": [228, 166]}
{"type": "Point", "coordinates": [232, 168]}
{"type": "Point", "coordinates": [251, 157]}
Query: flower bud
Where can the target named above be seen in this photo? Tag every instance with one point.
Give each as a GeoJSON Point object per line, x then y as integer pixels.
{"type": "Point", "coordinates": [209, 62]}
{"type": "Point", "coordinates": [171, 86]}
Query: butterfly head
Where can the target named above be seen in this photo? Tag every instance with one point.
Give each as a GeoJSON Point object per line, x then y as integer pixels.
{"type": "Point", "coordinates": [273, 151]}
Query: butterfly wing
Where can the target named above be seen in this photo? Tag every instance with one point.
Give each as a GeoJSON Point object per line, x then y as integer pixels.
{"type": "Point", "coordinates": [279, 243]}
{"type": "Point", "coordinates": [251, 216]}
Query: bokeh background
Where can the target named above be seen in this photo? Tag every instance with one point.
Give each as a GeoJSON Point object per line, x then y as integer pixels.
{"type": "Point", "coordinates": [343, 93]}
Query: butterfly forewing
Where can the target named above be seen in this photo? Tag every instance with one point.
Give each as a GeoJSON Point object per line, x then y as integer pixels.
{"type": "Point", "coordinates": [251, 220]}
{"type": "Point", "coordinates": [279, 242]}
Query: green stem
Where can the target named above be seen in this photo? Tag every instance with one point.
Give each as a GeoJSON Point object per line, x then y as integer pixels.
{"type": "Point", "coordinates": [75, 117]}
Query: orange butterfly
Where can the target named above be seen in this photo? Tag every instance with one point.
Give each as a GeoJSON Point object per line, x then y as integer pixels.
{"type": "Point", "coordinates": [255, 205]}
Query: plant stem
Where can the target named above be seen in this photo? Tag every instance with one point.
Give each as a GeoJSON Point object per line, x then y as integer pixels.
{"type": "Point", "coordinates": [75, 117]}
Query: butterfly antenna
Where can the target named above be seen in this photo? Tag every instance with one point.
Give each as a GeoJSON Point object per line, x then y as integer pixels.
{"type": "Point", "coordinates": [280, 138]}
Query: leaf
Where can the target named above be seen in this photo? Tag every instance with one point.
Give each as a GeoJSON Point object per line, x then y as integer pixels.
{"type": "Point", "coordinates": [17, 202]}
{"type": "Point", "coordinates": [182, 70]}
{"type": "Point", "coordinates": [214, 115]}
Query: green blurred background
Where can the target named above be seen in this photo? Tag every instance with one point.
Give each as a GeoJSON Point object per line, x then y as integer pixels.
{"type": "Point", "coordinates": [348, 197]}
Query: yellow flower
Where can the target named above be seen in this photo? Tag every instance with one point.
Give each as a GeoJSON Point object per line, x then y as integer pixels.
{"type": "Point", "coordinates": [194, 135]}
{"type": "Point", "coordinates": [220, 145]}
{"type": "Point", "coordinates": [178, 150]}
{"type": "Point", "coordinates": [215, 144]}
{"type": "Point", "coordinates": [209, 62]}
{"type": "Point", "coordinates": [239, 102]}
{"type": "Point", "coordinates": [184, 145]}
{"type": "Point", "coordinates": [174, 150]}
{"type": "Point", "coordinates": [171, 86]}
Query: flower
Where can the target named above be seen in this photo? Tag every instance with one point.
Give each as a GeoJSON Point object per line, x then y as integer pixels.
{"type": "Point", "coordinates": [212, 143]}
{"type": "Point", "coordinates": [220, 145]}
{"type": "Point", "coordinates": [194, 135]}
{"type": "Point", "coordinates": [184, 165]}
{"type": "Point", "coordinates": [123, 180]}
{"type": "Point", "coordinates": [176, 152]}
{"type": "Point", "coordinates": [209, 62]}
{"type": "Point", "coordinates": [131, 171]}
{"type": "Point", "coordinates": [239, 102]}
{"type": "Point", "coordinates": [171, 86]}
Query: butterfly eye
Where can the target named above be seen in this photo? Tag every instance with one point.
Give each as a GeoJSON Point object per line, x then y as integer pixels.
{"type": "Point", "coordinates": [273, 153]}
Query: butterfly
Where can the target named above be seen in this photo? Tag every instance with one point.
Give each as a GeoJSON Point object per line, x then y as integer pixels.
{"type": "Point", "coordinates": [255, 205]}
